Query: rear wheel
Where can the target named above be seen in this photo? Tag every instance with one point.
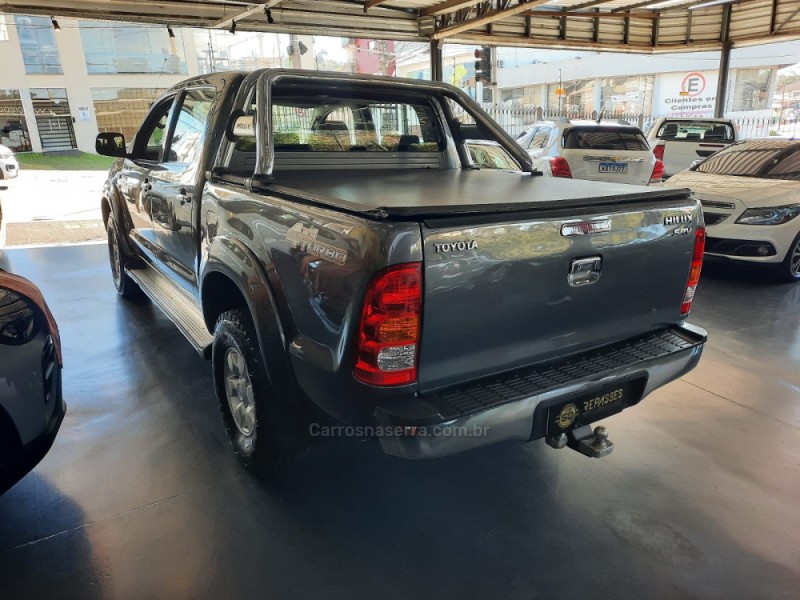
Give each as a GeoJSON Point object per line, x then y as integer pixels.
{"type": "Point", "coordinates": [126, 287]}
{"type": "Point", "coordinates": [790, 267]}
{"type": "Point", "coordinates": [249, 408]}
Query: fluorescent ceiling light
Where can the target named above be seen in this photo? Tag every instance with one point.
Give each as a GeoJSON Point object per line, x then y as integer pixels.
{"type": "Point", "coordinates": [666, 4]}
{"type": "Point", "coordinates": [711, 3]}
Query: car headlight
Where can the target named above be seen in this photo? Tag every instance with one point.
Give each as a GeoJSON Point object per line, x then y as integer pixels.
{"type": "Point", "coordinates": [6, 155]}
{"type": "Point", "coordinates": [777, 215]}
{"type": "Point", "coordinates": [18, 322]}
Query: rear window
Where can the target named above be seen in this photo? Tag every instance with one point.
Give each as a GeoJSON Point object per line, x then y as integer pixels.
{"type": "Point", "coordinates": [604, 139]}
{"type": "Point", "coordinates": [695, 131]}
{"type": "Point", "coordinates": [326, 124]}
{"type": "Point", "coordinates": [753, 159]}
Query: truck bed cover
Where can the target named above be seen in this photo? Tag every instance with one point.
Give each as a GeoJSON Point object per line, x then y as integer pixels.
{"type": "Point", "coordinates": [451, 192]}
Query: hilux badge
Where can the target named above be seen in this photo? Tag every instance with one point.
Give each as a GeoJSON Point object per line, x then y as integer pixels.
{"type": "Point", "coordinates": [681, 219]}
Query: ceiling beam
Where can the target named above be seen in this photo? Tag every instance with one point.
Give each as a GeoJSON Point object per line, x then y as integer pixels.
{"type": "Point", "coordinates": [551, 14]}
{"type": "Point", "coordinates": [490, 17]}
{"type": "Point", "coordinates": [444, 8]}
{"type": "Point", "coordinates": [253, 9]}
{"type": "Point", "coordinates": [553, 43]}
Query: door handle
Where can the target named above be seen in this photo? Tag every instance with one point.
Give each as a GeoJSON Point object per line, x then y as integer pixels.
{"type": "Point", "coordinates": [183, 197]}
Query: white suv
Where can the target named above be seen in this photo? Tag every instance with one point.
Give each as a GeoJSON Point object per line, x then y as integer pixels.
{"type": "Point", "coordinates": [681, 141]}
{"type": "Point", "coordinates": [588, 150]}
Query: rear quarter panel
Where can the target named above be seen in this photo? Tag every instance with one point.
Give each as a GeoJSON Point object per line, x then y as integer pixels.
{"type": "Point", "coordinates": [318, 262]}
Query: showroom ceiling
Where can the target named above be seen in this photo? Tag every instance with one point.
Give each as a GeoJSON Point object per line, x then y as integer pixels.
{"type": "Point", "coordinates": [614, 25]}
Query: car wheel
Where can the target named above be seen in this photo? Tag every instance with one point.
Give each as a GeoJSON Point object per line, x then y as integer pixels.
{"type": "Point", "coordinates": [790, 267]}
{"type": "Point", "coordinates": [245, 396]}
{"type": "Point", "coordinates": [126, 287]}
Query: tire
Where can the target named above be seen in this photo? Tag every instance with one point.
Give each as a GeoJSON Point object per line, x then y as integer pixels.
{"type": "Point", "coordinates": [243, 389]}
{"type": "Point", "coordinates": [789, 269]}
{"type": "Point", "coordinates": [126, 287]}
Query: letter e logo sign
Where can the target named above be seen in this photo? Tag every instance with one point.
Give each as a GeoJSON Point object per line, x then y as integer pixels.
{"type": "Point", "coordinates": [693, 84]}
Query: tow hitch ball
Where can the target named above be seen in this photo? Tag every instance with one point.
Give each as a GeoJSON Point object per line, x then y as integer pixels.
{"type": "Point", "coordinates": [591, 443]}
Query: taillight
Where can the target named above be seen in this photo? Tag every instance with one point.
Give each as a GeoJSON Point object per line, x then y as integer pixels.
{"type": "Point", "coordinates": [658, 172]}
{"type": "Point", "coordinates": [694, 273]}
{"type": "Point", "coordinates": [658, 152]}
{"type": "Point", "coordinates": [388, 334]}
{"type": "Point", "coordinates": [559, 167]}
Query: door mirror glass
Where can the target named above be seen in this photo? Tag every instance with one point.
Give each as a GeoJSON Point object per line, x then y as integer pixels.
{"type": "Point", "coordinates": [110, 144]}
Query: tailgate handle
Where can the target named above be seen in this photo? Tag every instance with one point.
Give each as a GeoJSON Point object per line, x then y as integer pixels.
{"type": "Point", "coordinates": [583, 271]}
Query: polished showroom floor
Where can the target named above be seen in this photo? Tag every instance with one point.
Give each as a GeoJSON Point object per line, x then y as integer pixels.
{"type": "Point", "coordinates": [140, 496]}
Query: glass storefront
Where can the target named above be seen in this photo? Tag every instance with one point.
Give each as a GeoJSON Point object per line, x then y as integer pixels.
{"type": "Point", "coordinates": [751, 90]}
{"type": "Point", "coordinates": [38, 44]}
{"type": "Point", "coordinates": [122, 109]}
{"type": "Point", "coordinates": [123, 48]}
{"type": "Point", "coordinates": [13, 126]}
{"type": "Point", "coordinates": [578, 97]}
{"type": "Point", "coordinates": [627, 95]}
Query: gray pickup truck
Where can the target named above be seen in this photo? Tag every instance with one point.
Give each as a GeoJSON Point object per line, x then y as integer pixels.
{"type": "Point", "coordinates": [330, 244]}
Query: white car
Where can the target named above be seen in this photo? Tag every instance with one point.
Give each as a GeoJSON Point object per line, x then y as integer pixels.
{"type": "Point", "coordinates": [589, 150]}
{"type": "Point", "coordinates": [9, 167]}
{"type": "Point", "coordinates": [681, 141]}
{"type": "Point", "coordinates": [750, 193]}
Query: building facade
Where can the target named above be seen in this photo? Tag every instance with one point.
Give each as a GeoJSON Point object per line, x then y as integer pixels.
{"type": "Point", "coordinates": [63, 81]}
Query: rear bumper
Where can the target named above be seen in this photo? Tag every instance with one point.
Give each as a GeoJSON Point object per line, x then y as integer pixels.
{"type": "Point", "coordinates": [514, 406]}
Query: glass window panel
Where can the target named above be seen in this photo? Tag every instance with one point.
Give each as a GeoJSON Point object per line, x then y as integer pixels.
{"type": "Point", "coordinates": [127, 48]}
{"type": "Point", "coordinates": [751, 91]}
{"type": "Point", "coordinates": [38, 44]}
{"type": "Point", "coordinates": [13, 125]}
{"type": "Point", "coordinates": [122, 109]}
{"type": "Point", "coordinates": [190, 130]}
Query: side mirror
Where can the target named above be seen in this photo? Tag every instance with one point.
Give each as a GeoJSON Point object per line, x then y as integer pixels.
{"type": "Point", "coordinates": [110, 144]}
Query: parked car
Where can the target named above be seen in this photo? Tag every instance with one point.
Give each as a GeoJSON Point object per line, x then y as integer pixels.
{"type": "Point", "coordinates": [588, 150]}
{"type": "Point", "coordinates": [680, 141]}
{"type": "Point", "coordinates": [9, 167]}
{"type": "Point", "coordinates": [349, 264]}
{"type": "Point", "coordinates": [31, 402]}
{"type": "Point", "coordinates": [486, 154]}
{"type": "Point", "coordinates": [750, 193]}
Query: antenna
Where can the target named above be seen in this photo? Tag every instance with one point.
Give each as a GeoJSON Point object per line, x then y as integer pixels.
{"type": "Point", "coordinates": [158, 81]}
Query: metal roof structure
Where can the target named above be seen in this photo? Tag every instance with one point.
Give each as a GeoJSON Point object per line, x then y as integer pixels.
{"type": "Point", "coordinates": [641, 26]}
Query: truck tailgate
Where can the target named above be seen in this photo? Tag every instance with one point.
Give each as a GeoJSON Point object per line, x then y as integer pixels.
{"type": "Point", "coordinates": [503, 295]}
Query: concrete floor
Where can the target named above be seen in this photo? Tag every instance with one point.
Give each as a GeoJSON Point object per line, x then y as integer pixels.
{"type": "Point", "coordinates": [141, 497]}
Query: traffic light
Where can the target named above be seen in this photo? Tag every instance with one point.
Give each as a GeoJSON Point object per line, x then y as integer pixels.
{"type": "Point", "coordinates": [483, 64]}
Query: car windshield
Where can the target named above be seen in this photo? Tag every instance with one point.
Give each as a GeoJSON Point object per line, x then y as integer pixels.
{"type": "Point", "coordinates": [754, 159]}
{"type": "Point", "coordinates": [698, 131]}
{"type": "Point", "coordinates": [598, 138]}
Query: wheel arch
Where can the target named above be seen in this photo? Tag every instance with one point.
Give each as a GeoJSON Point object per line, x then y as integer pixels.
{"type": "Point", "coordinates": [232, 277]}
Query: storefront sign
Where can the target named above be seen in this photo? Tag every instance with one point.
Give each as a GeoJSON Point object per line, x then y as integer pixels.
{"type": "Point", "coordinates": [692, 94]}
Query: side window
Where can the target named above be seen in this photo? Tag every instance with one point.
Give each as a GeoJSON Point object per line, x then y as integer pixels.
{"type": "Point", "coordinates": [540, 138]}
{"type": "Point", "coordinates": [190, 126]}
{"type": "Point", "coordinates": [150, 137]}
{"type": "Point", "coordinates": [531, 134]}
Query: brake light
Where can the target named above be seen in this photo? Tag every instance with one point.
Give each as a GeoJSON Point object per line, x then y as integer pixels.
{"type": "Point", "coordinates": [658, 151]}
{"type": "Point", "coordinates": [658, 172]}
{"type": "Point", "coordinates": [559, 167]}
{"type": "Point", "coordinates": [388, 334]}
{"type": "Point", "coordinates": [694, 272]}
